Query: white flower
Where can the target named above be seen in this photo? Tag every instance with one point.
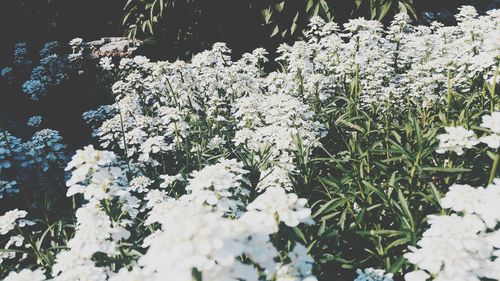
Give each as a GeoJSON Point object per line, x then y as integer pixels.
{"type": "Point", "coordinates": [16, 240]}
{"type": "Point", "coordinates": [220, 177]}
{"type": "Point", "coordinates": [168, 180]}
{"type": "Point", "coordinates": [456, 139]}
{"type": "Point", "coordinates": [106, 63]}
{"type": "Point", "coordinates": [301, 261]}
{"type": "Point", "coordinates": [75, 42]}
{"type": "Point", "coordinates": [150, 147]}
{"type": "Point", "coordinates": [418, 275]}
{"type": "Point", "coordinates": [480, 201]}
{"type": "Point", "coordinates": [92, 232]}
{"type": "Point", "coordinates": [460, 247]}
{"type": "Point", "coordinates": [69, 266]}
{"type": "Point", "coordinates": [140, 184]}
{"type": "Point", "coordinates": [26, 275]}
{"type": "Point", "coordinates": [371, 274]}
{"type": "Point", "coordinates": [492, 122]}
{"type": "Point", "coordinates": [10, 220]}
{"type": "Point", "coordinates": [290, 209]}
{"type": "Point", "coordinates": [200, 239]}
{"type": "Point", "coordinates": [492, 141]}
{"type": "Point", "coordinates": [216, 142]}
{"type": "Point", "coordinates": [155, 197]}
{"type": "Point", "coordinates": [85, 161]}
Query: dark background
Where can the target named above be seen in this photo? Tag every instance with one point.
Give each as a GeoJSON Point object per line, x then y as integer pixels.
{"type": "Point", "coordinates": [189, 27]}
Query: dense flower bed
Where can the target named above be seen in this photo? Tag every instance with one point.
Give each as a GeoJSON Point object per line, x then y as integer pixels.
{"type": "Point", "coordinates": [215, 169]}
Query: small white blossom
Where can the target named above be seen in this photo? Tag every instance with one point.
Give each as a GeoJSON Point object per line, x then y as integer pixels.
{"type": "Point", "coordinates": [10, 220]}
{"type": "Point", "coordinates": [26, 275]}
{"type": "Point", "coordinates": [371, 274]}
{"type": "Point", "coordinates": [492, 122]}
{"type": "Point", "coordinates": [106, 63]}
{"type": "Point", "coordinates": [456, 139]}
{"type": "Point", "coordinates": [290, 209]}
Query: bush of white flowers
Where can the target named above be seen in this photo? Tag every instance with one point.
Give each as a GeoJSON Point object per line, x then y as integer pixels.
{"type": "Point", "coordinates": [335, 166]}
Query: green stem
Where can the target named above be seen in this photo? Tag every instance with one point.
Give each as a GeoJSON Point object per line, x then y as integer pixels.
{"type": "Point", "coordinates": [493, 89]}
{"type": "Point", "coordinates": [494, 168]}
{"type": "Point", "coordinates": [448, 96]}
{"type": "Point", "coordinates": [129, 174]}
{"type": "Point", "coordinates": [196, 274]}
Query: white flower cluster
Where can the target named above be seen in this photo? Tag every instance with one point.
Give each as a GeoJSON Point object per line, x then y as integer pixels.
{"type": "Point", "coordinates": [222, 102]}
{"type": "Point", "coordinates": [209, 229]}
{"type": "Point", "coordinates": [213, 231]}
{"type": "Point", "coordinates": [202, 156]}
{"type": "Point", "coordinates": [464, 245]}
{"type": "Point", "coordinates": [458, 138]}
{"type": "Point", "coordinates": [106, 63]}
{"type": "Point", "coordinates": [492, 122]}
{"type": "Point", "coordinates": [95, 176]}
{"type": "Point", "coordinates": [273, 124]}
{"type": "Point", "coordinates": [26, 275]}
{"type": "Point", "coordinates": [371, 274]}
{"type": "Point", "coordinates": [403, 64]}
{"type": "Point", "coordinates": [220, 228]}
{"type": "Point", "coordinates": [77, 50]}
{"type": "Point", "coordinates": [11, 219]}
{"type": "Point", "coordinates": [8, 223]}
{"type": "Point", "coordinates": [289, 209]}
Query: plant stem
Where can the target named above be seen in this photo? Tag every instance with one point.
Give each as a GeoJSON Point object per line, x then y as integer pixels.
{"type": "Point", "coordinates": [493, 89]}
{"type": "Point", "coordinates": [448, 96]}
{"type": "Point", "coordinates": [494, 168]}
{"type": "Point", "coordinates": [129, 174]}
{"type": "Point", "coordinates": [196, 274]}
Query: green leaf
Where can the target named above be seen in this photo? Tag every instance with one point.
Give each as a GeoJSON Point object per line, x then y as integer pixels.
{"type": "Point", "coordinates": [389, 232]}
{"type": "Point", "coordinates": [446, 170]}
{"type": "Point", "coordinates": [266, 14]}
{"type": "Point", "coordinates": [279, 7]}
{"type": "Point", "coordinates": [384, 9]}
{"type": "Point", "coordinates": [275, 31]}
{"type": "Point", "coordinates": [294, 24]}
{"type": "Point", "coordinates": [406, 208]}
{"type": "Point", "coordinates": [396, 266]}
{"type": "Point", "coordinates": [351, 125]}
{"type": "Point", "coordinates": [300, 234]}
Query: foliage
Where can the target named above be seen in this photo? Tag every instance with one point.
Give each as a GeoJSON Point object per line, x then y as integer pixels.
{"type": "Point", "coordinates": [278, 15]}
{"type": "Point", "coordinates": [281, 18]}
{"type": "Point", "coordinates": [141, 15]}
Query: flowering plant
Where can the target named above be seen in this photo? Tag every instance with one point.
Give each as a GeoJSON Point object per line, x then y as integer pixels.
{"type": "Point", "coordinates": [213, 169]}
